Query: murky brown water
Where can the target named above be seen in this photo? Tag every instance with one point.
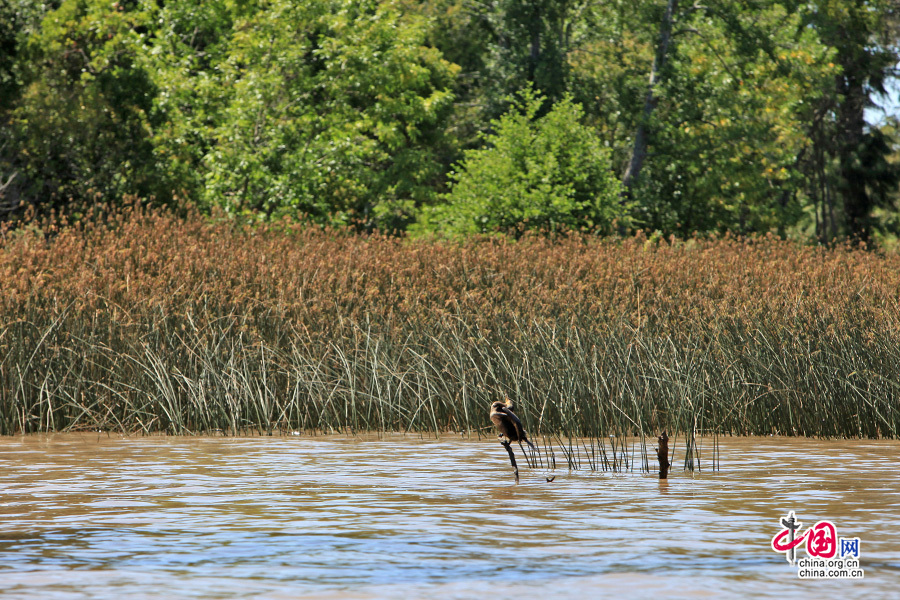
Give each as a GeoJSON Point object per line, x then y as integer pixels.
{"type": "Point", "coordinates": [410, 518]}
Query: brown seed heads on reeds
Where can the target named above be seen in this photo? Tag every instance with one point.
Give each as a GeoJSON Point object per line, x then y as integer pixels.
{"type": "Point", "coordinates": [141, 321]}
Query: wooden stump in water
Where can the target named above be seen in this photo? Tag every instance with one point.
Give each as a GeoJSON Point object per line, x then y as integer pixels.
{"type": "Point", "coordinates": [662, 454]}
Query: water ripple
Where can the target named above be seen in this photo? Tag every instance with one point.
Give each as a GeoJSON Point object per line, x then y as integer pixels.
{"type": "Point", "coordinates": [82, 517]}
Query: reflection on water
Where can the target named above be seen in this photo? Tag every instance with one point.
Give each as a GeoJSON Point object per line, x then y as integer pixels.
{"type": "Point", "coordinates": [82, 517]}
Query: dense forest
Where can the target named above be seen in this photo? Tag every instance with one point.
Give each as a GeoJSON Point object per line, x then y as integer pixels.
{"type": "Point", "coordinates": [460, 116]}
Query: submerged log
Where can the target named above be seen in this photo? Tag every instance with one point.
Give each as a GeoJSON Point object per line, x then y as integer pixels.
{"type": "Point", "coordinates": [662, 454]}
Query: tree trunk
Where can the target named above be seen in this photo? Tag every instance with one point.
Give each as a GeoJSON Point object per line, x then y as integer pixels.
{"type": "Point", "coordinates": [639, 150]}
{"type": "Point", "coordinates": [857, 202]}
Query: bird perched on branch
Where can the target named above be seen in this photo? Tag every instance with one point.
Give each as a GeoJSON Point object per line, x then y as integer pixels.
{"type": "Point", "coordinates": [508, 424]}
{"type": "Point", "coordinates": [511, 430]}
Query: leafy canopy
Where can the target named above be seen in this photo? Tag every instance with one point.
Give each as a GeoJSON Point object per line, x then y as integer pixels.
{"type": "Point", "coordinates": [548, 173]}
{"type": "Point", "coordinates": [333, 109]}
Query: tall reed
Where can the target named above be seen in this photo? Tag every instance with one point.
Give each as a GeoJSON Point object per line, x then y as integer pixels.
{"type": "Point", "coordinates": [141, 321]}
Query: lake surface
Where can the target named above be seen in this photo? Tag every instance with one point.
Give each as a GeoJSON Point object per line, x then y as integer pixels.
{"type": "Point", "coordinates": [88, 516]}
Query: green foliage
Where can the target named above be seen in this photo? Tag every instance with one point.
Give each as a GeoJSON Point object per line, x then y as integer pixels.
{"type": "Point", "coordinates": [82, 125]}
{"type": "Point", "coordinates": [332, 110]}
{"type": "Point", "coordinates": [547, 173]}
{"type": "Point", "coordinates": [192, 38]}
{"type": "Point", "coordinates": [729, 129]}
{"type": "Point", "coordinates": [853, 171]}
{"type": "Point", "coordinates": [355, 111]}
{"type": "Point", "coordinates": [18, 18]}
{"type": "Point", "coordinates": [609, 62]}
{"type": "Point", "coordinates": [464, 37]}
{"type": "Point", "coordinates": [531, 42]}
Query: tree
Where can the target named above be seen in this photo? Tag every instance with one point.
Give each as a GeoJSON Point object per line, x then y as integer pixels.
{"type": "Point", "coordinates": [639, 150]}
{"type": "Point", "coordinates": [532, 41]}
{"type": "Point", "coordinates": [191, 43]}
{"type": "Point", "coordinates": [81, 125]}
{"type": "Point", "coordinates": [18, 19]}
{"type": "Point", "coordinates": [535, 172]}
{"type": "Point", "coordinates": [332, 110]}
{"type": "Point", "coordinates": [730, 128]}
{"type": "Point", "coordinates": [853, 167]}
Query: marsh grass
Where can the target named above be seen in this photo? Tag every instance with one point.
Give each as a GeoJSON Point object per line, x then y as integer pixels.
{"type": "Point", "coordinates": [140, 321]}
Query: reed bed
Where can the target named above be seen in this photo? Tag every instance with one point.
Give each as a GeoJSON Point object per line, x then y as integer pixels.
{"type": "Point", "coordinates": [142, 321]}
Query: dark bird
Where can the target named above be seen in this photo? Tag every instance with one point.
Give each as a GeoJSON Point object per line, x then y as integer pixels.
{"type": "Point", "coordinates": [511, 430]}
{"type": "Point", "coordinates": [508, 424]}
